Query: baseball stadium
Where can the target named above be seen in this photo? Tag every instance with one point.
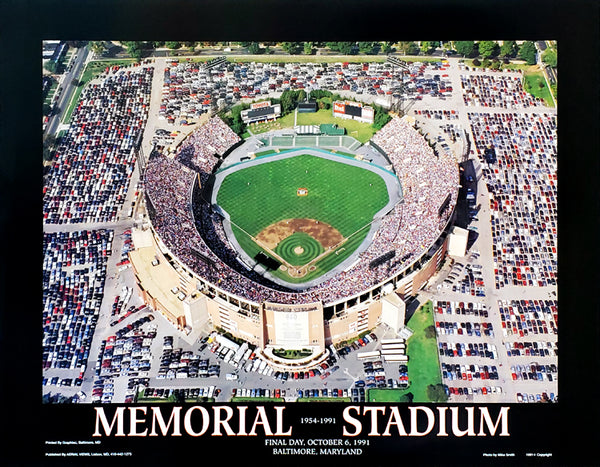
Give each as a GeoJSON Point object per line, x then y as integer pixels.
{"type": "Point", "coordinates": [293, 241]}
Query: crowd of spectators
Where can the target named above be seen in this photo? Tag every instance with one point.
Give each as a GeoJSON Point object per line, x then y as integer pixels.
{"type": "Point", "coordinates": [523, 194]}
{"type": "Point", "coordinates": [191, 90]}
{"type": "Point", "coordinates": [95, 158]}
{"type": "Point", "coordinates": [74, 272]}
{"type": "Point", "coordinates": [498, 91]}
{"type": "Point", "coordinates": [201, 149]}
{"type": "Point", "coordinates": [410, 229]}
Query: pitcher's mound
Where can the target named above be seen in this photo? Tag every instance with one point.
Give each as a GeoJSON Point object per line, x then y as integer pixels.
{"type": "Point", "coordinates": [298, 250]}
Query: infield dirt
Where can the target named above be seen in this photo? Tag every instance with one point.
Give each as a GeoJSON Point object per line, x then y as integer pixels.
{"type": "Point", "coordinates": [325, 234]}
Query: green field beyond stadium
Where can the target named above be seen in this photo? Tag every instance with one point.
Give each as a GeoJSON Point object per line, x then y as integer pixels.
{"type": "Point", "coordinates": [307, 212]}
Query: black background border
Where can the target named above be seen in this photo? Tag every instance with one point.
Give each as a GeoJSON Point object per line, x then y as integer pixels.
{"type": "Point", "coordinates": [567, 429]}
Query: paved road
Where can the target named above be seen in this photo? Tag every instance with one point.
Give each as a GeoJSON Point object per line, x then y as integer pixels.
{"type": "Point", "coordinates": [66, 81]}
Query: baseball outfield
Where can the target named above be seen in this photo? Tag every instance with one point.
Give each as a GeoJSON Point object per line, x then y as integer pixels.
{"type": "Point", "coordinates": [309, 213]}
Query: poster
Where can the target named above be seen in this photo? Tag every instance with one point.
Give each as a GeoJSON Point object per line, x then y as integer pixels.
{"type": "Point", "coordinates": [296, 431]}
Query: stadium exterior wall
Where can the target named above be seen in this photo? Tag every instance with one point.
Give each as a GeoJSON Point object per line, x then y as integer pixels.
{"type": "Point", "coordinates": [251, 322]}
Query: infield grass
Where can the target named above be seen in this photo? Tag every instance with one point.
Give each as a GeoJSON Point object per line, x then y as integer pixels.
{"type": "Point", "coordinates": [343, 196]}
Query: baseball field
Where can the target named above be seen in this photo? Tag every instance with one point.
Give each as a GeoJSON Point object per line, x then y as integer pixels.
{"type": "Point", "coordinates": [306, 212]}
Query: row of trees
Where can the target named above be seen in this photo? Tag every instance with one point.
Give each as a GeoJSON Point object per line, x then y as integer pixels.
{"type": "Point", "coordinates": [488, 50]}
{"type": "Point", "coordinates": [471, 49]}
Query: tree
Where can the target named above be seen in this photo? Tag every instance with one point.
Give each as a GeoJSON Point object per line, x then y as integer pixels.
{"type": "Point", "coordinates": [528, 53]}
{"type": "Point", "coordinates": [158, 44]}
{"type": "Point", "coordinates": [428, 46]}
{"type": "Point", "coordinates": [387, 48]}
{"type": "Point", "coordinates": [134, 49]}
{"type": "Point", "coordinates": [381, 117]}
{"type": "Point", "coordinates": [51, 66]}
{"type": "Point", "coordinates": [255, 49]}
{"type": "Point", "coordinates": [436, 393]}
{"type": "Point", "coordinates": [549, 57]}
{"type": "Point", "coordinates": [173, 45]}
{"type": "Point", "coordinates": [347, 48]}
{"type": "Point", "coordinates": [97, 47]}
{"type": "Point", "coordinates": [509, 49]}
{"type": "Point", "coordinates": [430, 332]}
{"type": "Point", "coordinates": [369, 48]}
{"type": "Point", "coordinates": [293, 48]}
{"type": "Point", "coordinates": [308, 48]}
{"type": "Point", "coordinates": [408, 397]}
{"type": "Point", "coordinates": [412, 49]}
{"type": "Point", "coordinates": [288, 101]}
{"type": "Point", "coordinates": [465, 48]}
{"type": "Point", "coordinates": [488, 49]}
{"type": "Point", "coordinates": [48, 147]}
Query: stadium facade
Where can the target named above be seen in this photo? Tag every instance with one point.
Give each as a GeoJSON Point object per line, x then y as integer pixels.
{"type": "Point", "coordinates": [198, 282]}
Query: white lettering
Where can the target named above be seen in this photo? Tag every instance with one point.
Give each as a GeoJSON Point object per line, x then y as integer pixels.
{"type": "Point", "coordinates": [353, 421]}
{"type": "Point", "coordinates": [502, 417]}
{"type": "Point", "coordinates": [187, 423]}
{"type": "Point", "coordinates": [101, 417]}
{"type": "Point", "coordinates": [174, 420]}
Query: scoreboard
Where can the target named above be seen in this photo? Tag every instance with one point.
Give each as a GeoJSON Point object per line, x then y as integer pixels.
{"type": "Point", "coordinates": [260, 112]}
{"type": "Point", "coordinates": [353, 110]}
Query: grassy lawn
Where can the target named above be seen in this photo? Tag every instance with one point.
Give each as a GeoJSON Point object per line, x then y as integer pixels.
{"type": "Point", "coordinates": [92, 70]}
{"type": "Point", "coordinates": [324, 399]}
{"type": "Point", "coordinates": [535, 84]}
{"type": "Point", "coordinates": [363, 132]}
{"type": "Point", "coordinates": [257, 399]}
{"type": "Point", "coordinates": [423, 362]}
{"type": "Point", "coordinates": [297, 58]}
{"type": "Point", "coordinates": [171, 399]}
{"type": "Point", "coordinates": [311, 58]}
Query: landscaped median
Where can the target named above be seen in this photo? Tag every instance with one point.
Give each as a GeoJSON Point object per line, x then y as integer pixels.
{"type": "Point", "coordinates": [423, 364]}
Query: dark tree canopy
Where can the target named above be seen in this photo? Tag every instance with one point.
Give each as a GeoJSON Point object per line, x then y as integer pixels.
{"type": "Point", "coordinates": [465, 48]}
{"type": "Point", "coordinates": [527, 52]}
{"type": "Point", "coordinates": [509, 49]}
{"type": "Point", "coordinates": [488, 49]}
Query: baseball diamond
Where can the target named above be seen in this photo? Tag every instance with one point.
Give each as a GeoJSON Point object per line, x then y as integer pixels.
{"type": "Point", "coordinates": [307, 208]}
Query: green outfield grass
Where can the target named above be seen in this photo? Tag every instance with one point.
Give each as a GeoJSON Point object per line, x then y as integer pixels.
{"type": "Point", "coordinates": [344, 196]}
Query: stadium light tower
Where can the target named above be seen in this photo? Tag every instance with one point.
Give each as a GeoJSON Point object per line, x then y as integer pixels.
{"type": "Point", "coordinates": [404, 103]}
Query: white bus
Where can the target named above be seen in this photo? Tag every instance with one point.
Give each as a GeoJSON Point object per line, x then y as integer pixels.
{"type": "Point", "coordinates": [393, 352]}
{"type": "Point", "coordinates": [392, 341]}
{"type": "Point", "coordinates": [396, 358]}
{"type": "Point", "coordinates": [393, 346]}
{"type": "Point", "coordinates": [374, 355]}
